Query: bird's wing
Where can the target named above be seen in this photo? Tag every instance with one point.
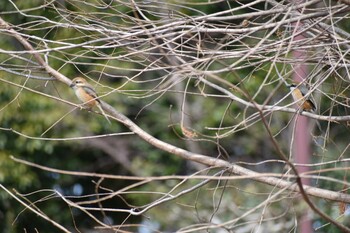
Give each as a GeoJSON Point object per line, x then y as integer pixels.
{"type": "Point", "coordinates": [90, 90]}
{"type": "Point", "coordinates": [304, 90]}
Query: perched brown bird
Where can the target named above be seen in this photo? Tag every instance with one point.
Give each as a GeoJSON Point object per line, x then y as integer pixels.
{"type": "Point", "coordinates": [87, 94]}
{"type": "Point", "coordinates": [298, 92]}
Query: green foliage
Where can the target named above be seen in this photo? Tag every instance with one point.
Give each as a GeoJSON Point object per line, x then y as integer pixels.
{"type": "Point", "coordinates": [16, 175]}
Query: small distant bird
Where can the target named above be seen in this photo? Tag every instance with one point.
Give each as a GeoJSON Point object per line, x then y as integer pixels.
{"type": "Point", "coordinates": [87, 94]}
{"type": "Point", "coordinates": [298, 92]}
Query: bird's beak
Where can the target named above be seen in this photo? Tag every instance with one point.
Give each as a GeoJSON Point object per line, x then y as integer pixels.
{"type": "Point", "coordinates": [71, 85]}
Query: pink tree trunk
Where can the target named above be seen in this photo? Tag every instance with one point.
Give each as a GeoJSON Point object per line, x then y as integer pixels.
{"type": "Point", "coordinates": [302, 138]}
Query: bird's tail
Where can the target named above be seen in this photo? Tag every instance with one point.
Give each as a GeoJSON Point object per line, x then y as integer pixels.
{"type": "Point", "coordinates": [103, 112]}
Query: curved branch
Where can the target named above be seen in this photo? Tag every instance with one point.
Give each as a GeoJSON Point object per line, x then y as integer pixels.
{"type": "Point", "coordinates": [203, 159]}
